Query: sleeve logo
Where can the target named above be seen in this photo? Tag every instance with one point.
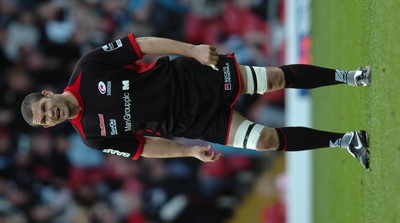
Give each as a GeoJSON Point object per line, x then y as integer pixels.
{"type": "Point", "coordinates": [112, 46]}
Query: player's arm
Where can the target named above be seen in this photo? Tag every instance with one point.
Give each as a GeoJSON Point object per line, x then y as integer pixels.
{"type": "Point", "coordinates": [155, 147]}
{"type": "Point", "coordinates": [205, 54]}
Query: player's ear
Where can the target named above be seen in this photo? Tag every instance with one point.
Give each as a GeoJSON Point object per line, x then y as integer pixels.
{"type": "Point", "coordinates": [47, 93]}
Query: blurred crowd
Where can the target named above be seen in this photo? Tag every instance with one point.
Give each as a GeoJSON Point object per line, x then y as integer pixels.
{"type": "Point", "coordinates": [48, 175]}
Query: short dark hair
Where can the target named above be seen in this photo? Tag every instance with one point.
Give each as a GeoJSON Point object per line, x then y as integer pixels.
{"type": "Point", "coordinates": [26, 107]}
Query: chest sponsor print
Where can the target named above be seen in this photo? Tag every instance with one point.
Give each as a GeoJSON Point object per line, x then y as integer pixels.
{"type": "Point", "coordinates": [127, 112]}
{"type": "Point", "coordinates": [125, 85]}
{"type": "Point", "coordinates": [113, 127]}
{"type": "Point", "coordinates": [108, 88]}
{"type": "Point", "coordinates": [102, 125]}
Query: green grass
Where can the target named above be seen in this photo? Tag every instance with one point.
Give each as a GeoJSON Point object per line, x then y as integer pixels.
{"type": "Point", "coordinates": [346, 35]}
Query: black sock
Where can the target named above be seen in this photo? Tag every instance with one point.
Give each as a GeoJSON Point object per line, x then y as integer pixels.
{"type": "Point", "coordinates": [308, 76]}
{"type": "Point", "coordinates": [302, 138]}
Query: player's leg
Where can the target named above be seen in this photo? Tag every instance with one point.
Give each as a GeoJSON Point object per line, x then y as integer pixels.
{"type": "Point", "coordinates": [258, 80]}
{"type": "Point", "coordinates": [246, 134]}
{"type": "Point", "coordinates": [264, 79]}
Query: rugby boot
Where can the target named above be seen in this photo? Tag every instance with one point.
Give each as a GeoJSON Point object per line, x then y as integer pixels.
{"type": "Point", "coordinates": [358, 147]}
{"type": "Point", "coordinates": [362, 77]}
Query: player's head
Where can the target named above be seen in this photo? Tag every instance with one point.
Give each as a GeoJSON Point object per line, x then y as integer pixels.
{"type": "Point", "coordinates": [44, 109]}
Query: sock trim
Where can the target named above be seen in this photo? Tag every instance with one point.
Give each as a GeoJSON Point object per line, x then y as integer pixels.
{"type": "Point", "coordinates": [282, 140]}
{"type": "Point", "coordinates": [293, 73]}
{"type": "Point", "coordinates": [288, 73]}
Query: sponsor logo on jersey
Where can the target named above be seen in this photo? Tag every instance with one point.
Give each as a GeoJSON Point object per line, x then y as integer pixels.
{"type": "Point", "coordinates": [112, 46]}
{"type": "Point", "coordinates": [125, 85]}
{"type": "Point", "coordinates": [227, 77]}
{"type": "Point", "coordinates": [116, 152]}
{"type": "Point", "coordinates": [127, 111]}
{"type": "Point", "coordinates": [102, 87]}
{"type": "Point", "coordinates": [102, 125]}
{"type": "Point", "coordinates": [113, 127]}
{"type": "Point", "coordinates": [108, 88]}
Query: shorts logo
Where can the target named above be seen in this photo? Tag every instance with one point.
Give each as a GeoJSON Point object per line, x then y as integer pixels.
{"type": "Point", "coordinates": [108, 88]}
{"type": "Point", "coordinates": [125, 85]}
{"type": "Point", "coordinates": [113, 127]}
{"type": "Point", "coordinates": [112, 46]}
{"type": "Point", "coordinates": [227, 77]}
{"type": "Point", "coordinates": [102, 87]}
{"type": "Point", "coordinates": [116, 152]}
{"type": "Point", "coordinates": [102, 125]}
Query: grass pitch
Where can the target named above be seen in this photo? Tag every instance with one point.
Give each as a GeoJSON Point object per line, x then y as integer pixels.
{"type": "Point", "coordinates": [347, 35]}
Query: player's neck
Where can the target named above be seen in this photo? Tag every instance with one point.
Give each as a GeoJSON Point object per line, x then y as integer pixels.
{"type": "Point", "coordinates": [72, 104]}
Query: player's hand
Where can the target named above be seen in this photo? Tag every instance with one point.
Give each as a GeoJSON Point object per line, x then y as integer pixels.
{"type": "Point", "coordinates": [204, 154]}
{"type": "Point", "coordinates": [205, 54]}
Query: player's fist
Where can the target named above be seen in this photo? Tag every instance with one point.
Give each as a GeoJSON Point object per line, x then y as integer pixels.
{"type": "Point", "coordinates": [205, 154]}
{"type": "Point", "coordinates": [205, 54]}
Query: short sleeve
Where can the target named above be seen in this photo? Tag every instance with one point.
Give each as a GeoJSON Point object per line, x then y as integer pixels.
{"type": "Point", "coordinates": [128, 147]}
{"type": "Point", "coordinates": [112, 55]}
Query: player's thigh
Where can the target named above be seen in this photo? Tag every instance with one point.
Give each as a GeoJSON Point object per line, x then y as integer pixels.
{"type": "Point", "coordinates": [243, 77]}
{"type": "Point", "coordinates": [275, 78]}
{"type": "Point", "coordinates": [237, 119]}
{"type": "Point", "coordinates": [268, 138]}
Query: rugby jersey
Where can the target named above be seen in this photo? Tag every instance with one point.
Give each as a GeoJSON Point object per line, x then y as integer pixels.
{"type": "Point", "coordinates": [121, 99]}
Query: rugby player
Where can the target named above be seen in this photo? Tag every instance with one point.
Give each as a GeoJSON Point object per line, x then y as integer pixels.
{"type": "Point", "coordinates": [131, 109]}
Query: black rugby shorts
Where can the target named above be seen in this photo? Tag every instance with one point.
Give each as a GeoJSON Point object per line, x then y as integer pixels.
{"type": "Point", "coordinates": [207, 98]}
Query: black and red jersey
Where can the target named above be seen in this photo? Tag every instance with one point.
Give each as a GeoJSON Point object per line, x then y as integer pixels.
{"type": "Point", "coordinates": [122, 99]}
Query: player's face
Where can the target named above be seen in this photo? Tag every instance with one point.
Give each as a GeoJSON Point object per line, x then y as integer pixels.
{"type": "Point", "coordinates": [50, 110]}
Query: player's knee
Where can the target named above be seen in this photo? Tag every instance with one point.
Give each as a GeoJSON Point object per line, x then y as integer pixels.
{"type": "Point", "coordinates": [276, 78]}
{"type": "Point", "coordinates": [254, 136]}
{"type": "Point", "coordinates": [268, 140]}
